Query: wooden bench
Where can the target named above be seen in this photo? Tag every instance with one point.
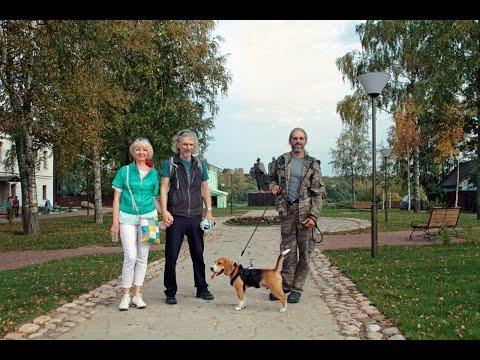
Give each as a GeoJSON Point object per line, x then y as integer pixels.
{"type": "Point", "coordinates": [362, 205]}
{"type": "Point", "coordinates": [439, 217]}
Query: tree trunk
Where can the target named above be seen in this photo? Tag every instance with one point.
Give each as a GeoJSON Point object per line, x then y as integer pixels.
{"type": "Point", "coordinates": [353, 185]}
{"type": "Point", "coordinates": [478, 147]}
{"type": "Point", "coordinates": [97, 184]}
{"type": "Point", "coordinates": [26, 167]}
{"type": "Point", "coordinates": [416, 179]}
{"type": "Point", "coordinates": [457, 182]}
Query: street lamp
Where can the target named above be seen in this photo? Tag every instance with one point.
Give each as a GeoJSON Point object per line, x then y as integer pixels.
{"type": "Point", "coordinates": [231, 191]}
{"type": "Point", "coordinates": [373, 83]}
{"type": "Point", "coordinates": [83, 157]}
{"type": "Point", "coordinates": [386, 154]}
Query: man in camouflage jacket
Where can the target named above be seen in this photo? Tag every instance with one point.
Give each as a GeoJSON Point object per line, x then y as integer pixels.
{"type": "Point", "coordinates": [296, 182]}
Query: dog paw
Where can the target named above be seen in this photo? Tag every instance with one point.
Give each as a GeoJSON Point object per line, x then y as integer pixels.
{"type": "Point", "coordinates": [238, 308]}
{"type": "Point", "coordinates": [283, 309]}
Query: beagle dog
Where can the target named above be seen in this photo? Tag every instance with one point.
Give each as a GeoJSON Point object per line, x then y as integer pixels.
{"type": "Point", "coordinates": [243, 278]}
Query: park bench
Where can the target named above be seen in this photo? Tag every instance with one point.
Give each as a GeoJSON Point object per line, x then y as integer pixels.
{"type": "Point", "coordinates": [362, 204]}
{"type": "Point", "coordinates": [439, 217]}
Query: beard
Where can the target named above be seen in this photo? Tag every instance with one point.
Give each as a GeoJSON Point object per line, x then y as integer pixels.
{"type": "Point", "coordinates": [297, 148]}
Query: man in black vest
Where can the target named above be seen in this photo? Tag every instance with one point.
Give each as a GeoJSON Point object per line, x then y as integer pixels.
{"type": "Point", "coordinates": [183, 191]}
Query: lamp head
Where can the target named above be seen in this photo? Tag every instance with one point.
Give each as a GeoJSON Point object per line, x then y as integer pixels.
{"type": "Point", "coordinates": [386, 152]}
{"type": "Point", "coordinates": [373, 82]}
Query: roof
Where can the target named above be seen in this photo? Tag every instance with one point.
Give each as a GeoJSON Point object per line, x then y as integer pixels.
{"type": "Point", "coordinates": [9, 178]}
{"type": "Point", "coordinates": [451, 178]}
{"type": "Point", "coordinates": [217, 192]}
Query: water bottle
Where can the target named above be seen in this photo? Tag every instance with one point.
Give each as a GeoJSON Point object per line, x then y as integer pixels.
{"type": "Point", "coordinates": [114, 238]}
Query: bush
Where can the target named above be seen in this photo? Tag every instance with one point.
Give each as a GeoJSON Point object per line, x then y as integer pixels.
{"type": "Point", "coordinates": [253, 220]}
{"type": "Point", "coordinates": [444, 235]}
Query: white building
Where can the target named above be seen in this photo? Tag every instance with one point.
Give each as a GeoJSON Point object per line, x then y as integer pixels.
{"type": "Point", "coordinates": [10, 181]}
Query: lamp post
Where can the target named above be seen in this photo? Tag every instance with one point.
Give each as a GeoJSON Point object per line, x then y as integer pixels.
{"type": "Point", "coordinates": [83, 157]}
{"type": "Point", "coordinates": [231, 191]}
{"type": "Point", "coordinates": [373, 83]}
{"type": "Point", "coordinates": [386, 154]}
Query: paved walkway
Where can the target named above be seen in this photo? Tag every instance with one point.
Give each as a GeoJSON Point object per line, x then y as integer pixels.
{"type": "Point", "coordinates": [331, 308]}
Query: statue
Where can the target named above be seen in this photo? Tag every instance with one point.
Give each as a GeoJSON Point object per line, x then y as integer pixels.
{"type": "Point", "coordinates": [270, 165]}
{"type": "Point", "coordinates": [259, 173]}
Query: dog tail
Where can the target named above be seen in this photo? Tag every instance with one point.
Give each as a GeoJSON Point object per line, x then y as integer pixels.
{"type": "Point", "coordinates": [280, 260]}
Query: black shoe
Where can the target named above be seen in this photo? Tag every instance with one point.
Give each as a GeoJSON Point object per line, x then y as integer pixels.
{"type": "Point", "coordinates": [171, 300]}
{"type": "Point", "coordinates": [294, 297]}
{"type": "Point", "coordinates": [274, 298]}
{"type": "Point", "coordinates": [205, 295]}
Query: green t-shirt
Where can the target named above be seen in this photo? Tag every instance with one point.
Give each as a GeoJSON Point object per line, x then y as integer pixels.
{"type": "Point", "coordinates": [143, 190]}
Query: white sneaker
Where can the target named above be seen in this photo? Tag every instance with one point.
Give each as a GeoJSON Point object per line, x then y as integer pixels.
{"type": "Point", "coordinates": [124, 303]}
{"type": "Point", "coordinates": [138, 302]}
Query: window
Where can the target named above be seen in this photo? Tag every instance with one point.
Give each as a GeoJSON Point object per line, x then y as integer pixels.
{"type": "Point", "coordinates": [44, 192]}
{"type": "Point", "coordinates": [45, 157]}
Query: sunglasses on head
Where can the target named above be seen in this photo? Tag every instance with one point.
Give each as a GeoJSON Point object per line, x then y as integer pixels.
{"type": "Point", "coordinates": [142, 139]}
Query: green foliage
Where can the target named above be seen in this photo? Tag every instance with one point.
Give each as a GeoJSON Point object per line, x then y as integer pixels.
{"type": "Point", "coordinates": [445, 235]}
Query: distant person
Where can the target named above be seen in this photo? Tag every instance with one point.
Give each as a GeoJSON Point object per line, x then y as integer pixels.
{"type": "Point", "coordinates": [16, 205]}
{"type": "Point", "coordinates": [136, 190]}
{"type": "Point", "coordinates": [183, 191]}
{"type": "Point", "coordinates": [47, 209]}
{"type": "Point", "coordinates": [271, 164]}
{"type": "Point", "coordinates": [296, 181]}
{"type": "Point", "coordinates": [9, 209]}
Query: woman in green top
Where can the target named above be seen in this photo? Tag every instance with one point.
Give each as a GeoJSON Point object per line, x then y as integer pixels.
{"type": "Point", "coordinates": [140, 180]}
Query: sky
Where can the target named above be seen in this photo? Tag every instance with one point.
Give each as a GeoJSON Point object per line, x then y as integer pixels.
{"type": "Point", "coordinates": [283, 76]}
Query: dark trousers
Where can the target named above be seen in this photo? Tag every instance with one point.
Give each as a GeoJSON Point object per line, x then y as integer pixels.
{"type": "Point", "coordinates": [190, 227]}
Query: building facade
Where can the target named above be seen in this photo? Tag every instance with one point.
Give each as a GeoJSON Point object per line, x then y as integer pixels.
{"type": "Point", "coordinates": [219, 198]}
{"type": "Point", "coordinates": [10, 180]}
{"type": "Point", "coordinates": [467, 191]}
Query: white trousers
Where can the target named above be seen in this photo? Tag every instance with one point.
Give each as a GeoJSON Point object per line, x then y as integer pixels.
{"type": "Point", "coordinates": [135, 255]}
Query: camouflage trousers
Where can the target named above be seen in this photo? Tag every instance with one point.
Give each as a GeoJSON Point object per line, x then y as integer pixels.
{"type": "Point", "coordinates": [297, 237]}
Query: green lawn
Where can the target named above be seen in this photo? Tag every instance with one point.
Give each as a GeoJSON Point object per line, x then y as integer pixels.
{"type": "Point", "coordinates": [429, 292]}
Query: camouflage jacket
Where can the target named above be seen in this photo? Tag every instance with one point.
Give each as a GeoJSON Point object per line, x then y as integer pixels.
{"type": "Point", "coordinates": [311, 191]}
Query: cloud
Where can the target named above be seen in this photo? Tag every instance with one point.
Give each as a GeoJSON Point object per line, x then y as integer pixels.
{"type": "Point", "coordinates": [284, 76]}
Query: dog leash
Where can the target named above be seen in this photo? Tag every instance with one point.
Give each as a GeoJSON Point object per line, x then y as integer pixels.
{"type": "Point", "coordinates": [251, 236]}
{"type": "Point", "coordinates": [313, 234]}
{"type": "Point", "coordinates": [258, 223]}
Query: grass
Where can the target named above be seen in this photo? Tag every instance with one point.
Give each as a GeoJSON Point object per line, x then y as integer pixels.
{"type": "Point", "coordinates": [429, 292]}
{"type": "Point", "coordinates": [36, 289]}
{"type": "Point", "coordinates": [59, 233]}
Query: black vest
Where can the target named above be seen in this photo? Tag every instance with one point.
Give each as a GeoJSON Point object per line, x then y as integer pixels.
{"type": "Point", "coordinates": [184, 198]}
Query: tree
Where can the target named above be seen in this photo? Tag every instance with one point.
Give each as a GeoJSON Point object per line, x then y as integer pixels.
{"type": "Point", "coordinates": [456, 50]}
{"type": "Point", "coordinates": [91, 87]}
{"type": "Point", "coordinates": [406, 135]}
{"type": "Point", "coordinates": [399, 48]}
{"type": "Point", "coordinates": [350, 157]}
{"type": "Point", "coordinates": [18, 58]}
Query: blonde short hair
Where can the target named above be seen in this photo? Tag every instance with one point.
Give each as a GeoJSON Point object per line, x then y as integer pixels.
{"type": "Point", "coordinates": [178, 138]}
{"type": "Point", "coordinates": [144, 143]}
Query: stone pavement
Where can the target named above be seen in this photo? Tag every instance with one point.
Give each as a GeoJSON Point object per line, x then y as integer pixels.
{"type": "Point", "coordinates": [331, 308]}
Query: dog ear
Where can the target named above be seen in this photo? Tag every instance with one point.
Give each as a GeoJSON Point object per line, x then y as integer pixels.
{"type": "Point", "coordinates": [228, 267]}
